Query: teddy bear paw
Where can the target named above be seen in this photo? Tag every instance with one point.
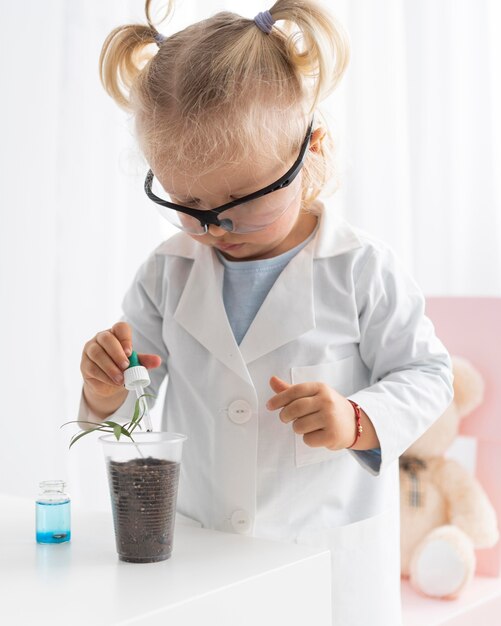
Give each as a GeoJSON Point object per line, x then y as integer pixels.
{"type": "Point", "coordinates": [443, 563]}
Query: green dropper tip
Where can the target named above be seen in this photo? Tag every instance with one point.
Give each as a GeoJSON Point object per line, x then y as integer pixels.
{"type": "Point", "coordinates": [133, 360]}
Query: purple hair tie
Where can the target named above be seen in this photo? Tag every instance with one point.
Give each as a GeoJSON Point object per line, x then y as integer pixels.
{"type": "Point", "coordinates": [265, 21]}
{"type": "Point", "coordinates": [159, 38]}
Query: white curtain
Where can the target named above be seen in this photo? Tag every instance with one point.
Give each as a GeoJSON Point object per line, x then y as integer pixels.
{"type": "Point", "coordinates": [417, 124]}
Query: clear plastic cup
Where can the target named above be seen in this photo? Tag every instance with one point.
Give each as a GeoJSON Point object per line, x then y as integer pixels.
{"type": "Point", "coordinates": [143, 479]}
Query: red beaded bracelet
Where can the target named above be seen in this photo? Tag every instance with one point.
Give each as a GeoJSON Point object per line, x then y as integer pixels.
{"type": "Point", "coordinates": [359, 425]}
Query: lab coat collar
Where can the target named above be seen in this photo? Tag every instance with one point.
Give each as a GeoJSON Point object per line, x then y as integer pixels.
{"type": "Point", "coordinates": [335, 235]}
{"type": "Point", "coordinates": [287, 311]}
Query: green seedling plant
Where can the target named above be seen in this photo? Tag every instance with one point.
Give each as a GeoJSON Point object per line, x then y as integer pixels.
{"type": "Point", "coordinates": [108, 426]}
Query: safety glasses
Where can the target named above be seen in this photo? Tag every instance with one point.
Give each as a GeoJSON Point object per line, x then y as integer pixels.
{"type": "Point", "coordinates": [253, 212]}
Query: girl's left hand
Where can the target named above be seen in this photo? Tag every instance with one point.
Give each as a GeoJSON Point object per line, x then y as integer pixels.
{"type": "Point", "coordinates": [323, 416]}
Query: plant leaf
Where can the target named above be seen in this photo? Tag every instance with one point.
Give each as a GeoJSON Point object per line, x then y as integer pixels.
{"type": "Point", "coordinates": [108, 426]}
{"type": "Point", "coordinates": [78, 422]}
{"type": "Point", "coordinates": [127, 433]}
{"type": "Point", "coordinates": [136, 418]}
{"type": "Point", "coordinates": [136, 411]}
{"type": "Point", "coordinates": [79, 435]}
{"type": "Point", "coordinates": [110, 423]}
{"type": "Point", "coordinates": [135, 415]}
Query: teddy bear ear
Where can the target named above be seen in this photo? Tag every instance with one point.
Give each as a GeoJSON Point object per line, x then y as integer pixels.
{"type": "Point", "coordinates": [469, 385]}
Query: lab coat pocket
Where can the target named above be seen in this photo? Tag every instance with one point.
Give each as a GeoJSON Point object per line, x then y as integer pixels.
{"type": "Point", "coordinates": [340, 376]}
{"type": "Point", "coordinates": [365, 565]}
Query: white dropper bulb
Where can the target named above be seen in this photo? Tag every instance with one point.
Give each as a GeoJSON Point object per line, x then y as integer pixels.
{"type": "Point", "coordinates": [136, 378]}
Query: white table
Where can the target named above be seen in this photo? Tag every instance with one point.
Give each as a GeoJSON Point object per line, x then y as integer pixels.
{"type": "Point", "coordinates": [478, 605]}
{"type": "Point", "coordinates": [212, 577]}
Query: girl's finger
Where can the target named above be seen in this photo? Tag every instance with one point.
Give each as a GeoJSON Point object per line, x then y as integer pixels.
{"type": "Point", "coordinates": [278, 385]}
{"type": "Point", "coordinates": [112, 346]}
{"type": "Point", "coordinates": [101, 366]}
{"type": "Point", "coordinates": [294, 392]}
{"type": "Point", "coordinates": [299, 408]}
{"type": "Point", "coordinates": [308, 423]}
{"type": "Point", "coordinates": [150, 361]}
{"type": "Point", "coordinates": [123, 333]}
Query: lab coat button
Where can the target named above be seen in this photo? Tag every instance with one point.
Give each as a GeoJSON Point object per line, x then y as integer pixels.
{"type": "Point", "coordinates": [239, 411]}
{"type": "Point", "coordinates": [241, 522]}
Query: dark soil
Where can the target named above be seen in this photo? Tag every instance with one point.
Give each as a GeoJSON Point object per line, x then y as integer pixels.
{"type": "Point", "coordinates": [143, 498]}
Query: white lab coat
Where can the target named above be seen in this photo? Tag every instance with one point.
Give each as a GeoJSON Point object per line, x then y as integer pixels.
{"type": "Point", "coordinates": [343, 312]}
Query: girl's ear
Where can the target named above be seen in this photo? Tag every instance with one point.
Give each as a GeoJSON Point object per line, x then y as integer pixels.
{"type": "Point", "coordinates": [316, 139]}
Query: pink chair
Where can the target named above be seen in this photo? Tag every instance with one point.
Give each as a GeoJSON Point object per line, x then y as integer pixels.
{"type": "Point", "coordinates": [471, 327]}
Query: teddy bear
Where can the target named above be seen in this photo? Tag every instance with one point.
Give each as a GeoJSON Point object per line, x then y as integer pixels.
{"type": "Point", "coordinates": [444, 511]}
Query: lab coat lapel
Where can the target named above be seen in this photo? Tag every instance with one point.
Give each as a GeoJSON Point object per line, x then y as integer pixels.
{"type": "Point", "coordinates": [201, 312]}
{"type": "Point", "coordinates": [287, 312]}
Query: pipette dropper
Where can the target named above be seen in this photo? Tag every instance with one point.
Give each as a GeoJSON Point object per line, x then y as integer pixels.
{"type": "Point", "coordinates": [136, 377]}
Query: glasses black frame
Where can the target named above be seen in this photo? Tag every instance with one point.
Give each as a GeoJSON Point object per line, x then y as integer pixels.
{"type": "Point", "coordinates": [210, 216]}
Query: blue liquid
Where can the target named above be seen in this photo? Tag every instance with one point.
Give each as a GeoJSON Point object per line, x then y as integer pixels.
{"type": "Point", "coordinates": [53, 521]}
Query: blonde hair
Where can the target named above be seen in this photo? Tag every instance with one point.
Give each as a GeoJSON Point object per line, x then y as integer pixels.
{"type": "Point", "coordinates": [222, 91]}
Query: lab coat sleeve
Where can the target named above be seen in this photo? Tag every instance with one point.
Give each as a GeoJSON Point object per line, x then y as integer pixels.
{"type": "Point", "coordinates": [411, 371]}
{"type": "Point", "coordinates": [142, 311]}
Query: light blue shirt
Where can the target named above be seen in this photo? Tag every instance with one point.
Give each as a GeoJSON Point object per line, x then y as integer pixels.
{"type": "Point", "coordinates": [247, 283]}
{"type": "Point", "coordinates": [245, 287]}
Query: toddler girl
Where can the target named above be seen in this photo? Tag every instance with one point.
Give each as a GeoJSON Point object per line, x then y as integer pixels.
{"type": "Point", "coordinates": [300, 362]}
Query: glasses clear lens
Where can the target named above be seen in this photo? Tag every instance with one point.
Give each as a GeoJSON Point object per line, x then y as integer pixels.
{"type": "Point", "coordinates": [182, 221]}
{"type": "Point", "coordinates": [242, 218]}
{"type": "Point", "coordinates": [262, 212]}
{"type": "Point", "coordinates": [179, 220]}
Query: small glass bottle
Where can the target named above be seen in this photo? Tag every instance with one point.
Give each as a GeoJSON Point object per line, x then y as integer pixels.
{"type": "Point", "coordinates": [53, 513]}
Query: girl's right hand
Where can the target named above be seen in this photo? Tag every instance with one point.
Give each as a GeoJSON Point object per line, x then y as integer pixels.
{"type": "Point", "coordinates": [104, 358]}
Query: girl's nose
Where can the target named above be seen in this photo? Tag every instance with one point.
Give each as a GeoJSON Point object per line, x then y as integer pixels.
{"type": "Point", "coordinates": [216, 231]}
